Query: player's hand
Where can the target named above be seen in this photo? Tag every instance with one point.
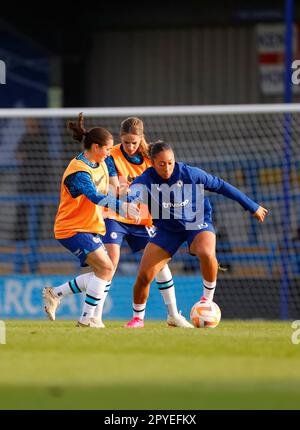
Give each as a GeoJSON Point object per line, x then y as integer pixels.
{"type": "Point", "coordinates": [260, 214]}
{"type": "Point", "coordinates": [123, 189]}
{"type": "Point", "coordinates": [132, 211]}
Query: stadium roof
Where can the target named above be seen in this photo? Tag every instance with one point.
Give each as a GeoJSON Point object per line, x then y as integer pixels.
{"type": "Point", "coordinates": [67, 27]}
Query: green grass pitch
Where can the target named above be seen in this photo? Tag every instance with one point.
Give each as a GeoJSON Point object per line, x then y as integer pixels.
{"type": "Point", "coordinates": [238, 365]}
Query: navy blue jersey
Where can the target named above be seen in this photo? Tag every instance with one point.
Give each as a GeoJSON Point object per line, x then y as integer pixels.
{"type": "Point", "coordinates": [149, 188]}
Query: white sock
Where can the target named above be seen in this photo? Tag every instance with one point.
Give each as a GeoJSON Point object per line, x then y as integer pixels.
{"type": "Point", "coordinates": [63, 290]}
{"type": "Point", "coordinates": [139, 310]}
{"type": "Point", "coordinates": [209, 289]}
{"type": "Point", "coordinates": [165, 285]}
{"type": "Point", "coordinates": [99, 308]}
{"type": "Point", "coordinates": [75, 286]}
{"type": "Point", "coordinates": [94, 293]}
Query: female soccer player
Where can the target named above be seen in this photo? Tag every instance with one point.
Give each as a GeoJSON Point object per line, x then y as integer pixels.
{"type": "Point", "coordinates": [176, 218]}
{"type": "Point", "coordinates": [79, 223]}
{"type": "Point", "coordinates": [128, 160]}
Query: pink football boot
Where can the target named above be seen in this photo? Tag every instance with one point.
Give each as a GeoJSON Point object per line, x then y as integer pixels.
{"type": "Point", "coordinates": [135, 323]}
{"type": "Point", "coordinates": [205, 300]}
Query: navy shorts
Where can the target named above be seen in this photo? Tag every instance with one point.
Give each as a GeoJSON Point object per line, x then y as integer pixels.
{"type": "Point", "coordinates": [170, 241]}
{"type": "Point", "coordinates": [137, 236]}
{"type": "Point", "coordinates": [81, 244]}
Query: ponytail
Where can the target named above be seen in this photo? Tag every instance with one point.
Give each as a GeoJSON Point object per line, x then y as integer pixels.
{"type": "Point", "coordinates": [77, 129]}
{"type": "Point", "coordinates": [97, 135]}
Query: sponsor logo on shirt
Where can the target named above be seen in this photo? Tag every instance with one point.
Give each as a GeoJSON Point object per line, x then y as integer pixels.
{"type": "Point", "coordinates": [175, 205]}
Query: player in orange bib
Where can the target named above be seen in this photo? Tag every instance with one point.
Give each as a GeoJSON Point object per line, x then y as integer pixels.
{"type": "Point", "coordinates": [128, 160]}
{"type": "Point", "coordinates": [79, 224]}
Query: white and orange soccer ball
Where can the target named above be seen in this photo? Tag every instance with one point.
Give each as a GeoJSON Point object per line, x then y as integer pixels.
{"type": "Point", "coordinates": [206, 315]}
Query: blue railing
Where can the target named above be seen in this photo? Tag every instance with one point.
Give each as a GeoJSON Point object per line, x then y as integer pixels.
{"type": "Point", "coordinates": [30, 252]}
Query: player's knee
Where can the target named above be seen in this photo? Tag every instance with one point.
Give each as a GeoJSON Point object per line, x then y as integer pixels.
{"type": "Point", "coordinates": [207, 253]}
{"type": "Point", "coordinates": [109, 267]}
{"type": "Point", "coordinates": [144, 278]}
{"type": "Point", "coordinates": [114, 264]}
{"type": "Point", "coordinates": [106, 268]}
{"type": "Point", "coordinates": [114, 259]}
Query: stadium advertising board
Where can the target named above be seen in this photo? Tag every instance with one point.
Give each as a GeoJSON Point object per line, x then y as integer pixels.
{"type": "Point", "coordinates": [21, 297]}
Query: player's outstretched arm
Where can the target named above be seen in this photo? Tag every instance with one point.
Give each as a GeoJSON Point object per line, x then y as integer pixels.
{"type": "Point", "coordinates": [261, 213]}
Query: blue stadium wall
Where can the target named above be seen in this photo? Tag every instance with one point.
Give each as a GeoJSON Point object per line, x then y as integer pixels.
{"type": "Point", "coordinates": [20, 297]}
{"type": "Point", "coordinates": [251, 298]}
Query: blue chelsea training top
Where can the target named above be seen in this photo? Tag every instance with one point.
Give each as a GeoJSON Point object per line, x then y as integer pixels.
{"type": "Point", "coordinates": [186, 200]}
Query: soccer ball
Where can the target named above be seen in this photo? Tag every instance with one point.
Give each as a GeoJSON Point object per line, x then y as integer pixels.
{"type": "Point", "coordinates": [207, 315]}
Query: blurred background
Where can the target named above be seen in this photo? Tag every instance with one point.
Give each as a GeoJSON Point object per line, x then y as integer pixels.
{"type": "Point", "coordinates": [154, 54]}
{"type": "Point", "coordinates": [145, 53]}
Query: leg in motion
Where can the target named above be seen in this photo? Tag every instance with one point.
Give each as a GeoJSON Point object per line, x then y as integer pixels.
{"type": "Point", "coordinates": [113, 250]}
{"type": "Point", "coordinates": [103, 270]}
{"type": "Point", "coordinates": [166, 287]}
{"type": "Point", "coordinates": [153, 260]}
{"type": "Point", "coordinates": [204, 246]}
{"type": "Point", "coordinates": [52, 296]}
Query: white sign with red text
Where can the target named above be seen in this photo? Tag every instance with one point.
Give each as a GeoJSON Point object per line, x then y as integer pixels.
{"type": "Point", "coordinates": [270, 49]}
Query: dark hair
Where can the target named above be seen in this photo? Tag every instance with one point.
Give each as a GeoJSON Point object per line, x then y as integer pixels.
{"type": "Point", "coordinates": [157, 147]}
{"type": "Point", "coordinates": [134, 125]}
{"type": "Point", "coordinates": [97, 135]}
